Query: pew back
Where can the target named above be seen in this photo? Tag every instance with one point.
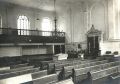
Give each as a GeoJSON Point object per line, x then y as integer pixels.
{"type": "Point", "coordinates": [48, 79]}
{"type": "Point", "coordinates": [17, 80]}
{"type": "Point", "coordinates": [18, 66]}
{"type": "Point", "coordinates": [103, 76]}
{"type": "Point", "coordinates": [16, 69]}
{"type": "Point", "coordinates": [67, 71]}
{"type": "Point", "coordinates": [17, 73]}
{"type": "Point", "coordinates": [105, 72]}
{"type": "Point", "coordinates": [68, 68]}
{"type": "Point", "coordinates": [4, 68]}
{"type": "Point", "coordinates": [58, 65]}
{"type": "Point", "coordinates": [67, 81]}
{"type": "Point", "coordinates": [95, 68]}
{"type": "Point", "coordinates": [39, 74]}
{"type": "Point", "coordinates": [81, 74]}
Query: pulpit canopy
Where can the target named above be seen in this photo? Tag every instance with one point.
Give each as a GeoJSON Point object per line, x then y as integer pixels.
{"type": "Point", "coordinates": [93, 32]}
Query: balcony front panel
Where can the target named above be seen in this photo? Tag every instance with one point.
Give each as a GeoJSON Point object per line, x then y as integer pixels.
{"type": "Point", "coordinates": [30, 36]}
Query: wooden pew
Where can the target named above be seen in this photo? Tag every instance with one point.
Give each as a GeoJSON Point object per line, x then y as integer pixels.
{"type": "Point", "coordinates": [39, 74]}
{"type": "Point", "coordinates": [19, 72]}
{"type": "Point", "coordinates": [58, 65]}
{"type": "Point", "coordinates": [115, 78]}
{"type": "Point", "coordinates": [18, 66]}
{"type": "Point", "coordinates": [17, 79]}
{"type": "Point", "coordinates": [48, 79]}
{"type": "Point", "coordinates": [81, 74]}
{"type": "Point", "coordinates": [17, 69]}
{"type": "Point", "coordinates": [102, 76]}
{"type": "Point", "coordinates": [51, 68]}
{"type": "Point", "coordinates": [67, 71]}
{"type": "Point", "coordinates": [45, 64]}
{"type": "Point", "coordinates": [39, 63]}
{"type": "Point", "coordinates": [67, 81]}
{"type": "Point", "coordinates": [4, 68]}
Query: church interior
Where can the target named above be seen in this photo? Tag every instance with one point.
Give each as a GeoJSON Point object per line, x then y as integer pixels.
{"type": "Point", "coordinates": [59, 42]}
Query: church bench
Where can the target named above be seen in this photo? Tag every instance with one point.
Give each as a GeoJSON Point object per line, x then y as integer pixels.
{"type": "Point", "coordinates": [58, 65]}
{"type": "Point", "coordinates": [67, 71]}
{"type": "Point", "coordinates": [45, 64]}
{"type": "Point", "coordinates": [102, 76]}
{"type": "Point", "coordinates": [19, 72]}
{"type": "Point", "coordinates": [17, 79]}
{"type": "Point", "coordinates": [18, 66]}
{"type": "Point", "coordinates": [67, 81]}
{"type": "Point", "coordinates": [4, 68]}
{"type": "Point", "coordinates": [115, 78]}
{"type": "Point", "coordinates": [81, 74]}
{"type": "Point", "coordinates": [38, 63]}
{"type": "Point", "coordinates": [72, 61]}
{"type": "Point", "coordinates": [51, 68]}
{"type": "Point", "coordinates": [14, 70]}
{"type": "Point", "coordinates": [48, 79]}
{"type": "Point", "coordinates": [39, 74]}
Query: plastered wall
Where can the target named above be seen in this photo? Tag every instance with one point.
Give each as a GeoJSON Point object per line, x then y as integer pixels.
{"type": "Point", "coordinates": [73, 18]}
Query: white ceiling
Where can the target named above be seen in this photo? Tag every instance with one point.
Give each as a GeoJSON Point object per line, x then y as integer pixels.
{"type": "Point", "coordinates": [41, 4]}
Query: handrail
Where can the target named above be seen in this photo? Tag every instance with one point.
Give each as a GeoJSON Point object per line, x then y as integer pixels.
{"type": "Point", "coordinates": [13, 31]}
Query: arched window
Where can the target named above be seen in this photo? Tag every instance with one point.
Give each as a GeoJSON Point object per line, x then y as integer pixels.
{"type": "Point", "coordinates": [46, 26]}
{"type": "Point", "coordinates": [23, 25]}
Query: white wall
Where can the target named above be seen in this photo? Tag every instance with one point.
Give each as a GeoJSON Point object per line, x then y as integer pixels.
{"type": "Point", "coordinates": [10, 13]}
{"type": "Point", "coordinates": [73, 18]}
{"type": "Point", "coordinates": [37, 50]}
{"type": "Point", "coordinates": [76, 19]}
{"type": "Point", "coordinates": [19, 51]}
{"type": "Point", "coordinates": [10, 51]}
{"type": "Point", "coordinates": [110, 46]}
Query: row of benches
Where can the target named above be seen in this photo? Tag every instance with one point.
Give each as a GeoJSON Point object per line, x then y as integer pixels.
{"type": "Point", "coordinates": [28, 74]}
{"type": "Point", "coordinates": [84, 70]}
{"type": "Point", "coordinates": [80, 71]}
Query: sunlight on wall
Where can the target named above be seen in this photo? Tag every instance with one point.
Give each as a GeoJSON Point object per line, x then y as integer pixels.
{"type": "Point", "coordinates": [46, 26]}
{"type": "Point", "coordinates": [116, 18]}
{"type": "Point", "coordinates": [0, 24]}
{"type": "Point", "coordinates": [0, 21]}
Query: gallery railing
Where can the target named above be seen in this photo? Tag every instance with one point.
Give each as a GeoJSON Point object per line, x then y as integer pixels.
{"type": "Point", "coordinates": [11, 31]}
{"type": "Point", "coordinates": [10, 35]}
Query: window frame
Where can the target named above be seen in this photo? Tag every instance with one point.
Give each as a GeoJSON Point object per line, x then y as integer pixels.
{"type": "Point", "coordinates": [23, 30]}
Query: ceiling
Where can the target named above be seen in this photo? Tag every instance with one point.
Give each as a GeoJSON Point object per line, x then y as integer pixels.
{"type": "Point", "coordinates": [44, 4]}
{"type": "Point", "coordinates": [41, 4]}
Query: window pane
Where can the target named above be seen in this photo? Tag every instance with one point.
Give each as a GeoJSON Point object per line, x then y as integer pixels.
{"type": "Point", "coordinates": [23, 23]}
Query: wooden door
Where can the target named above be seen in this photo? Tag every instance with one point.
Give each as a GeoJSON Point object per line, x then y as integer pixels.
{"type": "Point", "coordinates": [57, 49]}
{"type": "Point", "coordinates": [93, 46]}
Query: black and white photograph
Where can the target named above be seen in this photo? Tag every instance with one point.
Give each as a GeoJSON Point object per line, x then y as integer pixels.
{"type": "Point", "coordinates": [59, 41]}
